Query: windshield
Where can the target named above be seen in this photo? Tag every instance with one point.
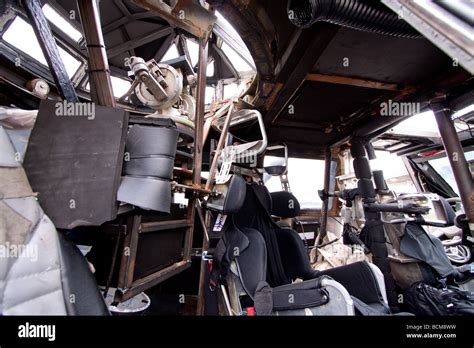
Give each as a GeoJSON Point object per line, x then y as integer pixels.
{"type": "Point", "coordinates": [306, 177]}
{"type": "Point", "coordinates": [443, 168]}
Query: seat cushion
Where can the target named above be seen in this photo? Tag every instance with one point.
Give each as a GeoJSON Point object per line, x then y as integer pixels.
{"type": "Point", "coordinates": [359, 280]}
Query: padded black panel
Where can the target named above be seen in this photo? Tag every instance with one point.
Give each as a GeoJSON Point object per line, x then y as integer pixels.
{"type": "Point", "coordinates": [293, 253]}
{"type": "Point", "coordinates": [276, 275]}
{"type": "Point", "coordinates": [74, 163]}
{"type": "Point", "coordinates": [232, 244]}
{"type": "Point", "coordinates": [149, 193]}
{"type": "Point", "coordinates": [284, 204]}
{"type": "Point", "coordinates": [81, 293]}
{"type": "Point", "coordinates": [362, 168]}
{"type": "Point", "coordinates": [252, 262]}
{"type": "Point", "coordinates": [157, 166]}
{"type": "Point", "coordinates": [366, 188]}
{"type": "Point", "coordinates": [150, 140]}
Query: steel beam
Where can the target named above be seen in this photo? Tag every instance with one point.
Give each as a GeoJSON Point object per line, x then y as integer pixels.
{"type": "Point", "coordinates": [185, 14]}
{"type": "Point", "coordinates": [137, 42]}
{"type": "Point", "coordinates": [306, 62]}
{"type": "Point", "coordinates": [99, 73]}
{"type": "Point", "coordinates": [50, 50]}
{"type": "Point", "coordinates": [350, 81]}
{"type": "Point", "coordinates": [325, 207]}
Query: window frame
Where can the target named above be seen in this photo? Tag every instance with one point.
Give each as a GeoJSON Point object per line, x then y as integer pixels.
{"type": "Point", "coordinates": [39, 69]}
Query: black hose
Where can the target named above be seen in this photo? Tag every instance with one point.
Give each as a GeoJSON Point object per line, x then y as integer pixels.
{"type": "Point", "coordinates": [366, 15]}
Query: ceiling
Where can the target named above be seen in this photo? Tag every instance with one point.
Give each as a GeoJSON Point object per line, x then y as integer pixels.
{"type": "Point", "coordinates": [319, 85]}
{"type": "Point", "coordinates": [316, 86]}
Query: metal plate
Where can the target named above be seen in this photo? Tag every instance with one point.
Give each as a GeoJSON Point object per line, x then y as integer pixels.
{"type": "Point", "coordinates": [74, 163]}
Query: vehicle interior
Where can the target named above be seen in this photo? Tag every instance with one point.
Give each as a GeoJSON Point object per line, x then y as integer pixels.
{"type": "Point", "coordinates": [236, 158]}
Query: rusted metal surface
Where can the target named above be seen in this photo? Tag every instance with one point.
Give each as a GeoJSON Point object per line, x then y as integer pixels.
{"type": "Point", "coordinates": [50, 50]}
{"type": "Point", "coordinates": [100, 85]}
{"type": "Point", "coordinates": [186, 14]}
{"type": "Point", "coordinates": [127, 263]}
{"type": "Point", "coordinates": [344, 80]}
{"type": "Point", "coordinates": [202, 272]}
{"type": "Point", "coordinates": [220, 146]}
{"type": "Point", "coordinates": [163, 225]}
{"type": "Point", "coordinates": [200, 103]}
{"type": "Point", "coordinates": [127, 284]}
{"type": "Point", "coordinates": [185, 188]}
{"type": "Point", "coordinates": [198, 145]}
{"type": "Point", "coordinates": [153, 279]}
{"type": "Point", "coordinates": [325, 207]}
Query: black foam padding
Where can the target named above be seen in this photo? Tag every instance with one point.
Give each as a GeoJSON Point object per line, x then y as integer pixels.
{"type": "Point", "coordinates": [161, 167]}
{"type": "Point", "coordinates": [357, 148]}
{"type": "Point", "coordinates": [370, 151]}
{"type": "Point", "coordinates": [75, 162]}
{"type": "Point", "coordinates": [148, 193]}
{"type": "Point", "coordinates": [150, 140]}
{"type": "Point", "coordinates": [366, 188]}
{"type": "Point", "coordinates": [284, 204]}
{"type": "Point", "coordinates": [379, 180]}
{"type": "Point", "coordinates": [362, 168]}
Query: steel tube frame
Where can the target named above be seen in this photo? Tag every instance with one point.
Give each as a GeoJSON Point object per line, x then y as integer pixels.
{"type": "Point", "coordinates": [457, 159]}
{"type": "Point", "coordinates": [98, 65]}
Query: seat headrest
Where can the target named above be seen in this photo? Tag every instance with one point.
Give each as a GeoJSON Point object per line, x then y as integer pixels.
{"type": "Point", "coordinates": [284, 204]}
{"type": "Point", "coordinates": [231, 196]}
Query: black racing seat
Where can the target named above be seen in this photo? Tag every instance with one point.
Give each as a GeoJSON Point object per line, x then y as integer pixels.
{"type": "Point", "coordinates": [292, 250]}
{"type": "Point", "coordinates": [278, 256]}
